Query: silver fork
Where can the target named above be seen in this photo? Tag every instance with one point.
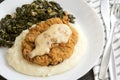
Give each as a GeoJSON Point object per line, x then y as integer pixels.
{"type": "Point", "coordinates": [115, 15]}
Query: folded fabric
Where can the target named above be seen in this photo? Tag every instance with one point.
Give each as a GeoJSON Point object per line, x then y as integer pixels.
{"type": "Point", "coordinates": [95, 4]}
{"type": "Point", "coordinates": [116, 49]}
{"type": "Point", "coordinates": [116, 43]}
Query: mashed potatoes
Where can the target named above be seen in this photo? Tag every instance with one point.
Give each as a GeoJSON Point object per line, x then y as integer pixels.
{"type": "Point", "coordinates": [16, 60]}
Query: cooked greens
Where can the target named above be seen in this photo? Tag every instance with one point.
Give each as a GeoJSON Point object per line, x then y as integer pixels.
{"type": "Point", "coordinates": [27, 15]}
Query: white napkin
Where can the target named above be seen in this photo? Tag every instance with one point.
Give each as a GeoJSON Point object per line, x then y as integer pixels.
{"type": "Point", "coordinates": [116, 44]}
{"type": "Point", "coordinates": [116, 50]}
{"type": "Point", "coordinates": [95, 4]}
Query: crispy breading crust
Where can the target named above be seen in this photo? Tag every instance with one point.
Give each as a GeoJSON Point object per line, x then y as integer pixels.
{"type": "Point", "coordinates": [58, 52]}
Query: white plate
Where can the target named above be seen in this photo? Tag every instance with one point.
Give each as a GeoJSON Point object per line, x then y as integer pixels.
{"type": "Point", "coordinates": [89, 23]}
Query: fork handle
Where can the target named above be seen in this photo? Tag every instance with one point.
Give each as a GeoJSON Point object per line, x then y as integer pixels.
{"type": "Point", "coordinates": [112, 69]}
{"type": "Point", "coordinates": [106, 55]}
{"type": "Point", "coordinates": [105, 60]}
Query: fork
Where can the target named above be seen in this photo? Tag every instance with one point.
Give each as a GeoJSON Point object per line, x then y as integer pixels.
{"type": "Point", "coordinates": [115, 15]}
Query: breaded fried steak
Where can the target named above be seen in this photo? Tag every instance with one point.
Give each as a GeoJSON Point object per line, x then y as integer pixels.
{"type": "Point", "coordinates": [58, 51]}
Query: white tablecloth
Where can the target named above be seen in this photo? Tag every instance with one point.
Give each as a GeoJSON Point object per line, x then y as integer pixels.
{"type": "Point", "coordinates": [116, 44]}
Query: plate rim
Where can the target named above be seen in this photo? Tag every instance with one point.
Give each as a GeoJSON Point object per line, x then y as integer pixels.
{"type": "Point", "coordinates": [101, 26]}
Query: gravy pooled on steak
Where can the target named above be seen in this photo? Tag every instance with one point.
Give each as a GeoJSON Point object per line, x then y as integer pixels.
{"type": "Point", "coordinates": [57, 33]}
{"type": "Point", "coordinates": [58, 51]}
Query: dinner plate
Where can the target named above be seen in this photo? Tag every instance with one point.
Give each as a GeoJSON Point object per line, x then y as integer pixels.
{"type": "Point", "coordinates": [90, 25]}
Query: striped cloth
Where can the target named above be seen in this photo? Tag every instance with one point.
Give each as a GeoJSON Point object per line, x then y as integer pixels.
{"type": "Point", "coordinates": [95, 4]}
{"type": "Point", "coordinates": [116, 49]}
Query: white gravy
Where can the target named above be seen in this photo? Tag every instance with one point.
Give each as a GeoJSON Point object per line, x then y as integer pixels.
{"type": "Point", "coordinates": [57, 33]}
